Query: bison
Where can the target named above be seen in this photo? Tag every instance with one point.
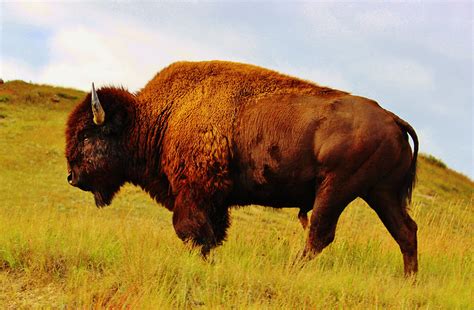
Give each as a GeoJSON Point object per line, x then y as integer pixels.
{"type": "Point", "coordinates": [201, 137]}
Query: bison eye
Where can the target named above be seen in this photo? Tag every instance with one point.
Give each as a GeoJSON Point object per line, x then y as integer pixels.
{"type": "Point", "coordinates": [84, 137]}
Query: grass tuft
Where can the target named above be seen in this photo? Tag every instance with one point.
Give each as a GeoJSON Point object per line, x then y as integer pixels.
{"type": "Point", "coordinates": [66, 96]}
{"type": "Point", "coordinates": [434, 160]}
{"type": "Point", "coordinates": [4, 98]}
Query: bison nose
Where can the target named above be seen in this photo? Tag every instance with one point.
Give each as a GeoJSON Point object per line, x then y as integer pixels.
{"type": "Point", "coordinates": [69, 178]}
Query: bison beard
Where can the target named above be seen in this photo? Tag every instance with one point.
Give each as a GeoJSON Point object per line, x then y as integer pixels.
{"type": "Point", "coordinates": [103, 198]}
{"type": "Point", "coordinates": [105, 192]}
{"type": "Point", "coordinates": [203, 136]}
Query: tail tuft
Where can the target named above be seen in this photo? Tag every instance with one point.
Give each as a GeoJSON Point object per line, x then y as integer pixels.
{"type": "Point", "coordinates": [410, 178]}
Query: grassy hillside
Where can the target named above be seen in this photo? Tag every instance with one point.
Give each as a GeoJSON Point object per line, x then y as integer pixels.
{"type": "Point", "coordinates": [57, 249]}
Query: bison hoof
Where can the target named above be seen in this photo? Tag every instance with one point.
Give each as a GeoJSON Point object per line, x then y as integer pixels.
{"type": "Point", "coordinates": [205, 250]}
{"type": "Point", "coordinates": [303, 257]}
{"type": "Point", "coordinates": [309, 253]}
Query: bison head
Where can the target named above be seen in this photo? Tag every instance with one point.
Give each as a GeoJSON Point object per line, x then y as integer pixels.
{"type": "Point", "coordinates": [96, 136]}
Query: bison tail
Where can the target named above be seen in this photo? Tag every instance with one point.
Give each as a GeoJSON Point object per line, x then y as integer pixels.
{"type": "Point", "coordinates": [410, 178]}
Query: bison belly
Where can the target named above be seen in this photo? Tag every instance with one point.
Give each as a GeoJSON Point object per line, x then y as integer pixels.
{"type": "Point", "coordinates": [273, 155]}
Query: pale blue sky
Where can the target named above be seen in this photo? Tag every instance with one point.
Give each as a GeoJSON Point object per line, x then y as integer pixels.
{"type": "Point", "coordinates": [415, 59]}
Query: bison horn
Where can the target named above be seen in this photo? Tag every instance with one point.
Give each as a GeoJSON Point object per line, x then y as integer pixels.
{"type": "Point", "coordinates": [97, 110]}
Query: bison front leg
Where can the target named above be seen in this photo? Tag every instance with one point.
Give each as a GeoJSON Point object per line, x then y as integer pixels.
{"type": "Point", "coordinates": [198, 223]}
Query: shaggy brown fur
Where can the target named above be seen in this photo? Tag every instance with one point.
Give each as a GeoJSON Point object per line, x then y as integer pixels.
{"type": "Point", "coordinates": [203, 136]}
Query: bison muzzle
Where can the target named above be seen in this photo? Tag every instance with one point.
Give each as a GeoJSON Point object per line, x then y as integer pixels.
{"type": "Point", "coordinates": [203, 136]}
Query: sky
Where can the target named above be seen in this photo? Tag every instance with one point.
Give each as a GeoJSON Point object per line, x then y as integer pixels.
{"type": "Point", "coordinates": [413, 58]}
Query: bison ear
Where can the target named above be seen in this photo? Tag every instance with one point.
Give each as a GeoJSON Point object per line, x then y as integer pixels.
{"type": "Point", "coordinates": [97, 110]}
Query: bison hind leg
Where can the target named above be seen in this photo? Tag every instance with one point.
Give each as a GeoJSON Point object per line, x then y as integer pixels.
{"type": "Point", "coordinates": [303, 218]}
{"type": "Point", "coordinates": [391, 209]}
{"type": "Point", "coordinates": [332, 197]}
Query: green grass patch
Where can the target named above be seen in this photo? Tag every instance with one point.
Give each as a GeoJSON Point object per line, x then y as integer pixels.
{"type": "Point", "coordinates": [4, 98]}
{"type": "Point", "coordinates": [434, 160]}
{"type": "Point", "coordinates": [66, 96]}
